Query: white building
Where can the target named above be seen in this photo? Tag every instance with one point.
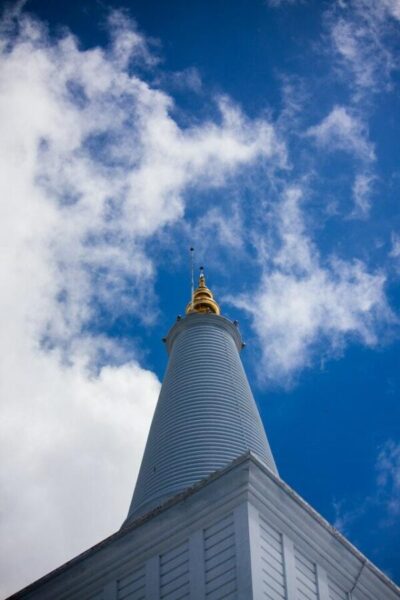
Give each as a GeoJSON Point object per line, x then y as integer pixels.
{"type": "Point", "coordinates": [210, 517]}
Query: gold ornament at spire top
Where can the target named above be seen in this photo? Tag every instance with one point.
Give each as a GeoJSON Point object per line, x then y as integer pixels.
{"type": "Point", "coordinates": [203, 299]}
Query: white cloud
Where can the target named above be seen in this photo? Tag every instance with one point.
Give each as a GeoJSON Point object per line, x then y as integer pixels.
{"type": "Point", "coordinates": [303, 307]}
{"type": "Point", "coordinates": [341, 130]}
{"type": "Point", "coordinates": [348, 41]}
{"type": "Point", "coordinates": [395, 251]}
{"type": "Point", "coordinates": [73, 444]}
{"type": "Point", "coordinates": [129, 46]}
{"type": "Point", "coordinates": [361, 33]}
{"type": "Point", "coordinates": [93, 165]}
{"type": "Point", "coordinates": [393, 8]}
{"type": "Point", "coordinates": [362, 194]}
{"type": "Point", "coordinates": [385, 496]}
{"type": "Point", "coordinates": [278, 3]}
{"type": "Point", "coordinates": [186, 80]}
{"type": "Point", "coordinates": [83, 140]}
{"type": "Point", "coordinates": [345, 517]}
{"type": "Point", "coordinates": [388, 479]}
{"type": "Point", "coordinates": [217, 227]}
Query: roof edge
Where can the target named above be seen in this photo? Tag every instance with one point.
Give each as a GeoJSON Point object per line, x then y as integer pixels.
{"type": "Point", "coordinates": [127, 527]}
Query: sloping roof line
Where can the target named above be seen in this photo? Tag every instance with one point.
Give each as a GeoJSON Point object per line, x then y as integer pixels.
{"type": "Point", "coordinates": [365, 562]}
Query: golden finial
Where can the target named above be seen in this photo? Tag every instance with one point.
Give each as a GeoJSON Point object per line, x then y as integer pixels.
{"type": "Point", "coordinates": [202, 298]}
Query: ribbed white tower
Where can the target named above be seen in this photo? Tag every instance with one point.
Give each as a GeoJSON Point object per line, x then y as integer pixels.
{"type": "Point", "coordinates": [206, 415]}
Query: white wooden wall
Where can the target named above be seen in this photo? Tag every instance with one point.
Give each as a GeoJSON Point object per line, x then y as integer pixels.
{"type": "Point", "coordinates": [272, 562]}
{"type": "Point", "coordinates": [238, 557]}
{"type": "Point", "coordinates": [133, 586]}
{"type": "Point", "coordinates": [220, 560]}
{"type": "Point", "coordinates": [285, 570]}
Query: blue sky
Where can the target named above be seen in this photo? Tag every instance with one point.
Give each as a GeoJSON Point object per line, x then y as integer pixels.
{"type": "Point", "coordinates": [266, 135]}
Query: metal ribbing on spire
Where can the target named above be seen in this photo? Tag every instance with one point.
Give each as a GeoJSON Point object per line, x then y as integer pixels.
{"type": "Point", "coordinates": [206, 415]}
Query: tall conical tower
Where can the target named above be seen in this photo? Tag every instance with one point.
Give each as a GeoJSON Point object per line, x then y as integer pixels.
{"type": "Point", "coordinates": [206, 415]}
{"type": "Point", "coordinates": [210, 518]}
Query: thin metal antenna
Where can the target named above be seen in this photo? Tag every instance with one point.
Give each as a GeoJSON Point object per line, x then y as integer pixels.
{"type": "Point", "coordinates": [192, 270]}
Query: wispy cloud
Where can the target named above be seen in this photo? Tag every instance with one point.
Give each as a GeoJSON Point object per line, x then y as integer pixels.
{"type": "Point", "coordinates": [342, 130]}
{"type": "Point", "coordinates": [345, 517]}
{"type": "Point", "coordinates": [395, 251]}
{"type": "Point", "coordinates": [305, 306]}
{"type": "Point", "coordinates": [388, 478]}
{"type": "Point", "coordinates": [384, 496]}
{"type": "Point", "coordinates": [361, 32]}
{"type": "Point", "coordinates": [393, 8]}
{"type": "Point", "coordinates": [186, 80]}
{"type": "Point", "coordinates": [362, 194]}
{"type": "Point", "coordinates": [279, 3]}
{"type": "Point", "coordinates": [218, 227]}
